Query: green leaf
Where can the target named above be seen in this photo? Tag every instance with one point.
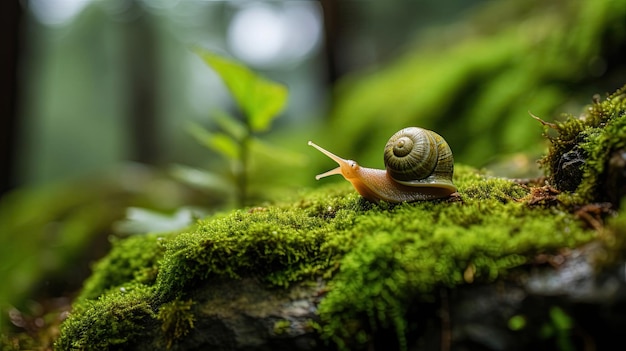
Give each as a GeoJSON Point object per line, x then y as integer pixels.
{"type": "Point", "coordinates": [560, 319]}
{"type": "Point", "coordinates": [230, 125]}
{"type": "Point", "coordinates": [225, 145]}
{"type": "Point", "coordinates": [260, 99]}
{"type": "Point", "coordinates": [142, 220]}
{"type": "Point", "coordinates": [202, 179]}
{"type": "Point", "coordinates": [280, 154]}
{"type": "Point", "coordinates": [218, 142]}
{"type": "Point", "coordinates": [198, 132]}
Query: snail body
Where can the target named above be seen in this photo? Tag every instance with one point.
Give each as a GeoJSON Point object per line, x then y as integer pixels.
{"type": "Point", "coordinates": [419, 166]}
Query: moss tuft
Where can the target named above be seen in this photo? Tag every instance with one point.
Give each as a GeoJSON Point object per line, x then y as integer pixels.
{"type": "Point", "coordinates": [281, 326]}
{"type": "Point", "coordinates": [580, 156]}
{"type": "Point", "coordinates": [134, 259]}
{"type": "Point", "coordinates": [277, 245]}
{"type": "Point", "coordinates": [613, 237]}
{"type": "Point", "coordinates": [117, 318]}
{"type": "Point", "coordinates": [177, 319]}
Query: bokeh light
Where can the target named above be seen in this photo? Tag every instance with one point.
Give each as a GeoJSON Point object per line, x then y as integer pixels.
{"type": "Point", "coordinates": [57, 12]}
{"type": "Point", "coordinates": [267, 34]}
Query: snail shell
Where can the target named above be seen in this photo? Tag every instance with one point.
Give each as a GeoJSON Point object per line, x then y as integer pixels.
{"type": "Point", "coordinates": [419, 166]}
{"type": "Point", "coordinates": [416, 156]}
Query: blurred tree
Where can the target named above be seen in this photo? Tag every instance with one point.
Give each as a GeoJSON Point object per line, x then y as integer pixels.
{"type": "Point", "coordinates": [10, 17]}
{"type": "Point", "coordinates": [365, 34]}
{"type": "Point", "coordinates": [142, 77]}
{"type": "Point", "coordinates": [330, 12]}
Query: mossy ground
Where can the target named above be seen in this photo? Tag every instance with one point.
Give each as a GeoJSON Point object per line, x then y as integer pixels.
{"type": "Point", "coordinates": [376, 258]}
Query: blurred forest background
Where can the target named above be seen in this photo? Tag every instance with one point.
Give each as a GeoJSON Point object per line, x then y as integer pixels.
{"type": "Point", "coordinates": [100, 94]}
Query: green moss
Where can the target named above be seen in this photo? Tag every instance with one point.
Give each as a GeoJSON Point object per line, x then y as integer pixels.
{"type": "Point", "coordinates": [377, 259]}
{"type": "Point", "coordinates": [412, 249]}
{"type": "Point", "coordinates": [613, 237]}
{"type": "Point", "coordinates": [579, 155]}
{"type": "Point", "coordinates": [177, 319]}
{"type": "Point", "coordinates": [281, 326]}
{"type": "Point", "coordinates": [131, 260]}
{"type": "Point", "coordinates": [121, 317]}
{"type": "Point", "coordinates": [117, 302]}
{"type": "Point", "coordinates": [22, 341]}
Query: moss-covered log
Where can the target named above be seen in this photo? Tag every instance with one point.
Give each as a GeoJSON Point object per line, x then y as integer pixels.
{"type": "Point", "coordinates": [331, 270]}
{"type": "Point", "coordinates": [376, 261]}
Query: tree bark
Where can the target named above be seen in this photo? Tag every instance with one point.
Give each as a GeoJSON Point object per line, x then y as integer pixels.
{"type": "Point", "coordinates": [10, 17]}
{"type": "Point", "coordinates": [142, 75]}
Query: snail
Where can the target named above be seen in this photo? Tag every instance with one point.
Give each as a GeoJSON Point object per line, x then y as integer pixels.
{"type": "Point", "coordinates": [419, 166]}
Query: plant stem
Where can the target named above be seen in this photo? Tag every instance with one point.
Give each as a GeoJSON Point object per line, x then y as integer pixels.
{"type": "Point", "coordinates": [242, 175]}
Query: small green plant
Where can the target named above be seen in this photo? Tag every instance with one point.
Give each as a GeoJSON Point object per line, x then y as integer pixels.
{"type": "Point", "coordinates": [517, 322]}
{"type": "Point", "coordinates": [559, 328]}
{"type": "Point", "coordinates": [259, 100]}
{"type": "Point", "coordinates": [281, 326]}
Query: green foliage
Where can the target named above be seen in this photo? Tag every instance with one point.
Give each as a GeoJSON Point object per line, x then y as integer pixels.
{"type": "Point", "coordinates": [475, 82]}
{"type": "Point", "coordinates": [517, 322]}
{"type": "Point", "coordinates": [44, 230]}
{"type": "Point", "coordinates": [559, 328]}
{"type": "Point", "coordinates": [260, 100]}
{"type": "Point", "coordinates": [377, 259]}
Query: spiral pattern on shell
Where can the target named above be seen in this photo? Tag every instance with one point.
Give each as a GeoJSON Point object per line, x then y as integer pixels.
{"type": "Point", "coordinates": [415, 156]}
